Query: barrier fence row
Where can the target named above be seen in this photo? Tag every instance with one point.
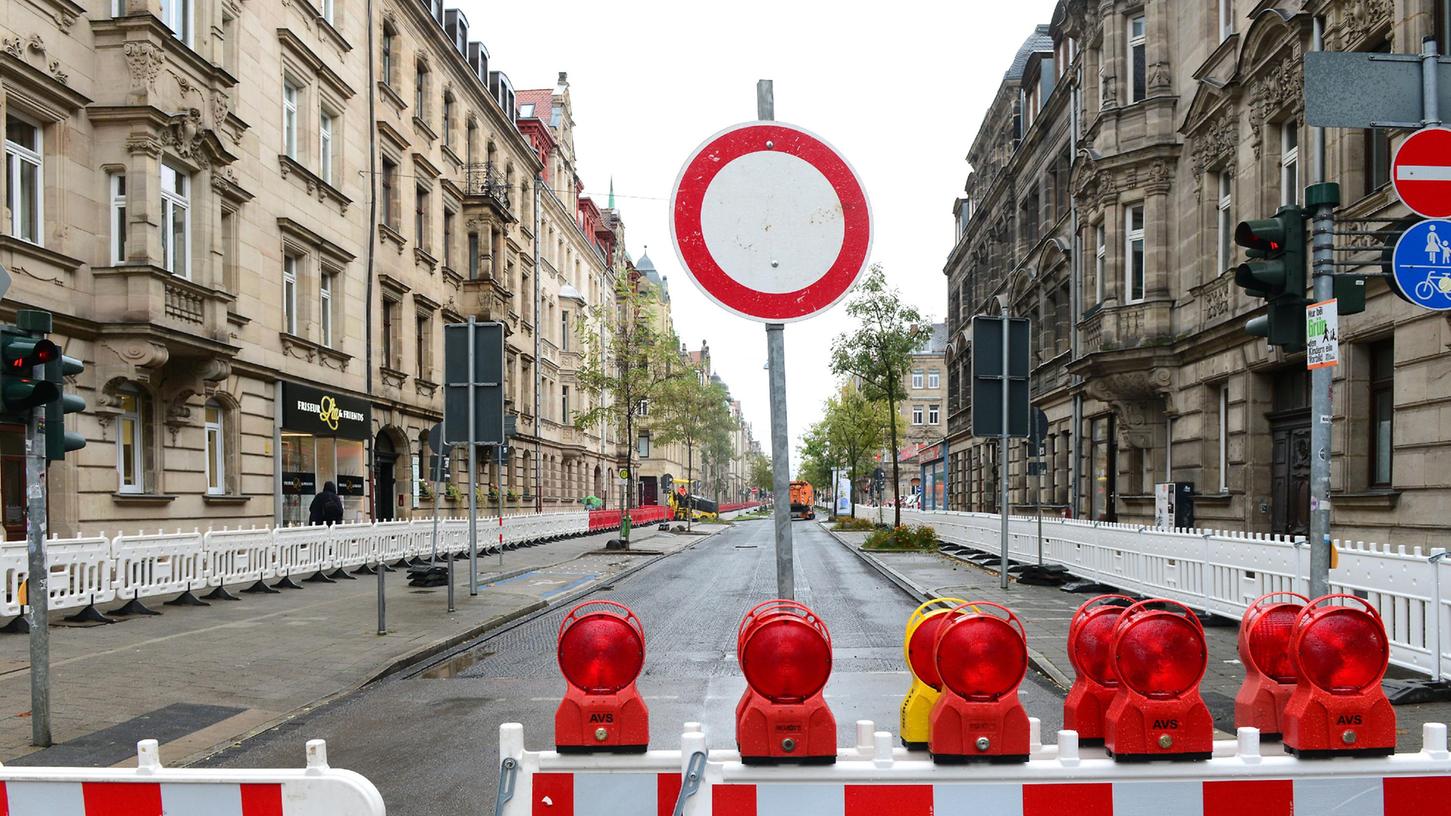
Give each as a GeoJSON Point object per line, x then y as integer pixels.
{"type": "Point", "coordinates": [1222, 572]}
{"type": "Point", "coordinates": [89, 570]}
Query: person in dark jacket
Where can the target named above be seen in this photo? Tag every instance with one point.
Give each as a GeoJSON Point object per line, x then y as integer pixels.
{"type": "Point", "coordinates": [326, 507]}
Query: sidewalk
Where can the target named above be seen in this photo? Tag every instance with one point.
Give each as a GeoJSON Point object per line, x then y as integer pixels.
{"type": "Point", "coordinates": [196, 679]}
{"type": "Point", "coordinates": [1047, 611]}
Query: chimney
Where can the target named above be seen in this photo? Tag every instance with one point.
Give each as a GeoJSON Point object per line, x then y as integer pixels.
{"type": "Point", "coordinates": [563, 79]}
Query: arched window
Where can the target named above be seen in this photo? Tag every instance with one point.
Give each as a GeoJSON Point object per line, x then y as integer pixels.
{"type": "Point", "coordinates": [216, 447]}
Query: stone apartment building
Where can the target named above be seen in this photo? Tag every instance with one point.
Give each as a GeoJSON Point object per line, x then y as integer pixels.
{"type": "Point", "coordinates": [922, 415]}
{"type": "Point", "coordinates": [1126, 141]}
{"type": "Point", "coordinates": [252, 221]}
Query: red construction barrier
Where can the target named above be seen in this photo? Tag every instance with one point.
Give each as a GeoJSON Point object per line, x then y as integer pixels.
{"type": "Point", "coordinates": [731, 508]}
{"type": "Point", "coordinates": [603, 520]}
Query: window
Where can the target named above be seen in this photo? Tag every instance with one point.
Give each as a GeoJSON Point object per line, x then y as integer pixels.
{"type": "Point", "coordinates": [1226, 19]}
{"type": "Point", "coordinates": [1134, 253]}
{"type": "Point", "coordinates": [643, 444]}
{"type": "Point", "coordinates": [917, 378]}
{"type": "Point", "coordinates": [916, 415]}
{"type": "Point", "coordinates": [130, 436]}
{"type": "Point", "coordinates": [231, 268]}
{"type": "Point", "coordinates": [420, 344]}
{"type": "Point", "coordinates": [325, 306]}
{"type": "Point", "coordinates": [215, 449]}
{"type": "Point", "coordinates": [448, 219]}
{"type": "Point", "coordinates": [1226, 222]}
{"type": "Point", "coordinates": [564, 404]}
{"type": "Point", "coordinates": [175, 221]}
{"type": "Point", "coordinates": [420, 217]}
{"type": "Point", "coordinates": [325, 146]}
{"type": "Point", "coordinates": [329, 12]}
{"type": "Point", "coordinates": [1377, 159]}
{"type": "Point", "coordinates": [389, 337]}
{"type": "Point", "coordinates": [289, 294]}
{"type": "Point", "coordinates": [1100, 262]}
{"type": "Point", "coordinates": [1289, 164]}
{"type": "Point", "coordinates": [564, 329]}
{"type": "Point", "coordinates": [934, 414]}
{"type": "Point", "coordinates": [289, 120]}
{"type": "Point", "coordinates": [118, 217]}
{"type": "Point", "coordinates": [934, 379]}
{"type": "Point", "coordinates": [420, 90]}
{"type": "Point", "coordinates": [176, 15]}
{"type": "Point", "coordinates": [1138, 60]}
{"type": "Point", "coordinates": [448, 120]}
{"type": "Point", "coordinates": [1224, 438]}
{"type": "Point", "coordinates": [1382, 412]}
{"type": "Point", "coordinates": [386, 181]}
{"type": "Point", "coordinates": [643, 408]}
{"type": "Point", "coordinates": [389, 63]}
{"type": "Point", "coordinates": [473, 256]}
{"type": "Point", "coordinates": [24, 181]}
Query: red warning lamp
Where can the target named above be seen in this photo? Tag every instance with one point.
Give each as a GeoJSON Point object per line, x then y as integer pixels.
{"type": "Point", "coordinates": [1159, 654]}
{"type": "Point", "coordinates": [785, 653]}
{"type": "Point", "coordinates": [1340, 651]}
{"type": "Point", "coordinates": [1090, 637]}
{"type": "Point", "coordinates": [601, 651]}
{"type": "Point", "coordinates": [1269, 671]}
{"type": "Point", "coordinates": [981, 657]}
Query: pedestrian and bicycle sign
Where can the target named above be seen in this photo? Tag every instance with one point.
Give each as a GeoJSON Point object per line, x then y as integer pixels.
{"type": "Point", "coordinates": [1421, 264]}
{"type": "Point", "coordinates": [1421, 172]}
{"type": "Point", "coordinates": [771, 222]}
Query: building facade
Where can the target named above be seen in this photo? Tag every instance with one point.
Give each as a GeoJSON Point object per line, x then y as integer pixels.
{"type": "Point", "coordinates": [252, 222]}
{"type": "Point", "coordinates": [1163, 125]}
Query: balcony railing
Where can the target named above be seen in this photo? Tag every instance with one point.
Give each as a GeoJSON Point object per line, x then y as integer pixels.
{"type": "Point", "coordinates": [486, 180]}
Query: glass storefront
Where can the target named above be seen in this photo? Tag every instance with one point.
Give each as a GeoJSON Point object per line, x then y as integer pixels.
{"type": "Point", "coordinates": [323, 436]}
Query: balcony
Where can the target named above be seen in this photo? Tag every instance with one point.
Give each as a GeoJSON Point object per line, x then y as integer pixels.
{"type": "Point", "coordinates": [145, 294]}
{"type": "Point", "coordinates": [484, 184]}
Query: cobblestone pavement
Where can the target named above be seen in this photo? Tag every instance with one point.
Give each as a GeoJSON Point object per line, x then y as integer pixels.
{"type": "Point", "coordinates": [200, 678]}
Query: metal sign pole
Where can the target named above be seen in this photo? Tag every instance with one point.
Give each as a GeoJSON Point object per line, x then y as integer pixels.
{"type": "Point", "coordinates": [37, 588]}
{"type": "Point", "coordinates": [503, 460]}
{"type": "Point", "coordinates": [1039, 470]}
{"type": "Point", "coordinates": [780, 442]}
{"type": "Point", "coordinates": [473, 473]}
{"type": "Point", "coordinates": [1003, 457]}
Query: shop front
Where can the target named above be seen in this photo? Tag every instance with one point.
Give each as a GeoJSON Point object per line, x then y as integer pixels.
{"type": "Point", "coordinates": [933, 461]}
{"type": "Point", "coordinates": [322, 439]}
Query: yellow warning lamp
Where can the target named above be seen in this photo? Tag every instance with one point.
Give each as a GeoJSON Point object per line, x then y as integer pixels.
{"type": "Point", "coordinates": [919, 644]}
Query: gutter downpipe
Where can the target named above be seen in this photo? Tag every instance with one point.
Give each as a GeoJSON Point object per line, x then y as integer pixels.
{"type": "Point", "coordinates": [372, 251]}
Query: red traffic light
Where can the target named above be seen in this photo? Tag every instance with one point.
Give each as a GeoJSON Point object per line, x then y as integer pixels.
{"type": "Point", "coordinates": [1090, 639]}
{"type": "Point", "coordinates": [1159, 654]}
{"type": "Point", "coordinates": [1269, 671]}
{"type": "Point", "coordinates": [1340, 651]}
{"type": "Point", "coordinates": [601, 650]}
{"type": "Point", "coordinates": [24, 353]}
{"type": "Point", "coordinates": [981, 656]}
{"type": "Point", "coordinates": [784, 651]}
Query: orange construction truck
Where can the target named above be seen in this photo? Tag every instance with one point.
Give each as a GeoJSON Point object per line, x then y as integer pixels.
{"type": "Point", "coordinates": [802, 501]}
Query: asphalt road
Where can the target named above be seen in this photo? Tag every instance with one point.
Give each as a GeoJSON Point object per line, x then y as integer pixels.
{"type": "Point", "coordinates": [430, 741]}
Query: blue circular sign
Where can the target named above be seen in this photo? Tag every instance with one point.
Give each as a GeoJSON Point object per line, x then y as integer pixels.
{"type": "Point", "coordinates": [1422, 264]}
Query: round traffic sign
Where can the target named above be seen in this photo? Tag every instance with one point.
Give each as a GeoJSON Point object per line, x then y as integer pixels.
{"type": "Point", "coordinates": [1421, 172]}
{"type": "Point", "coordinates": [1421, 264]}
{"type": "Point", "coordinates": [770, 221]}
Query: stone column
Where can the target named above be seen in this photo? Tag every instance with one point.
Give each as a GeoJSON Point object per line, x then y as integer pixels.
{"type": "Point", "coordinates": [143, 199]}
{"type": "Point", "coordinates": [1157, 254]}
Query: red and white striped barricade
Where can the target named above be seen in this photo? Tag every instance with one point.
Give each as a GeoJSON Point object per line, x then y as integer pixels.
{"type": "Point", "coordinates": [154, 564]}
{"type": "Point", "coordinates": [876, 777]}
{"type": "Point", "coordinates": [302, 550]}
{"type": "Point", "coordinates": [239, 556]}
{"type": "Point", "coordinates": [13, 569]}
{"type": "Point", "coordinates": [152, 790]}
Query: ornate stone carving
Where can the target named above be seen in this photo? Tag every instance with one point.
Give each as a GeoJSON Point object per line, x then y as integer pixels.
{"type": "Point", "coordinates": [214, 370]}
{"type": "Point", "coordinates": [143, 143]}
{"type": "Point", "coordinates": [143, 59]}
{"type": "Point", "coordinates": [1214, 145]}
{"type": "Point", "coordinates": [221, 107]}
{"type": "Point", "coordinates": [1110, 93]}
{"type": "Point", "coordinates": [1159, 178]}
{"type": "Point", "coordinates": [1214, 301]}
{"type": "Point", "coordinates": [186, 134]}
{"type": "Point", "coordinates": [1358, 20]}
{"type": "Point", "coordinates": [139, 353]}
{"type": "Point", "coordinates": [1159, 76]}
{"type": "Point", "coordinates": [1280, 85]}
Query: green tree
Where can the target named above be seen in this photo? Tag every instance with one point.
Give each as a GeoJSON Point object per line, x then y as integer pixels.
{"type": "Point", "coordinates": [760, 472]}
{"type": "Point", "coordinates": [818, 456]}
{"type": "Point", "coordinates": [879, 353]}
{"type": "Point", "coordinates": [691, 410]}
{"type": "Point", "coordinates": [628, 355]}
{"type": "Point", "coordinates": [855, 428]}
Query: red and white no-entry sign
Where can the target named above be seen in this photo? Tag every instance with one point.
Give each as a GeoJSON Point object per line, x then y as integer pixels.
{"type": "Point", "coordinates": [770, 221]}
{"type": "Point", "coordinates": [1421, 172]}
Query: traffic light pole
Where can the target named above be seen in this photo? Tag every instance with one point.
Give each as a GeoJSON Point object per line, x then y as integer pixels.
{"type": "Point", "coordinates": [37, 588]}
{"type": "Point", "coordinates": [1322, 199]}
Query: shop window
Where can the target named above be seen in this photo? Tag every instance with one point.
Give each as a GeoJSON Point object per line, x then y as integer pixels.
{"type": "Point", "coordinates": [216, 448]}
{"type": "Point", "coordinates": [24, 178]}
{"type": "Point", "coordinates": [131, 439]}
{"type": "Point", "coordinates": [176, 221]}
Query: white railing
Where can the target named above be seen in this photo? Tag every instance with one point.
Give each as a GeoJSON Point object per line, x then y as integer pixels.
{"type": "Point", "coordinates": [97, 569]}
{"type": "Point", "coordinates": [1223, 572]}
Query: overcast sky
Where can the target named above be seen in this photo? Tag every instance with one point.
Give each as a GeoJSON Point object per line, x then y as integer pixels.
{"type": "Point", "coordinates": [899, 88]}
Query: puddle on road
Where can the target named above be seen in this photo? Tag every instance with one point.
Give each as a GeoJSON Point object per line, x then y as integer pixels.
{"type": "Point", "coordinates": [455, 666]}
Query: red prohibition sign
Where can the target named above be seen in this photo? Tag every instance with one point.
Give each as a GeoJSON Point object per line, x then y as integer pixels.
{"type": "Point", "coordinates": [771, 222]}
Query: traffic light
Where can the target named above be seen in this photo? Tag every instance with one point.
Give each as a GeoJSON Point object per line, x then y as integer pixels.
{"type": "Point", "coordinates": [59, 441]}
{"type": "Point", "coordinates": [1276, 272]}
{"type": "Point", "coordinates": [20, 389]}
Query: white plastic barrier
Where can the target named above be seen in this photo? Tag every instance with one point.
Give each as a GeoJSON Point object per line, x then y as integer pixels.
{"type": "Point", "coordinates": [239, 556]}
{"type": "Point", "coordinates": [150, 788]}
{"type": "Point", "coordinates": [158, 564]}
{"type": "Point", "coordinates": [878, 777]}
{"type": "Point", "coordinates": [352, 544]}
{"type": "Point", "coordinates": [302, 550]}
{"type": "Point", "coordinates": [392, 540]}
{"type": "Point", "coordinates": [80, 572]}
{"type": "Point", "coordinates": [13, 570]}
